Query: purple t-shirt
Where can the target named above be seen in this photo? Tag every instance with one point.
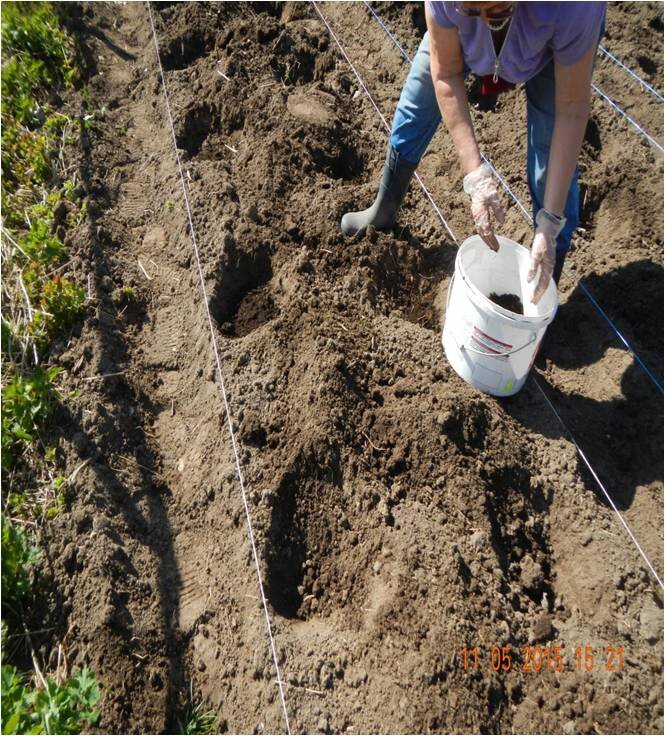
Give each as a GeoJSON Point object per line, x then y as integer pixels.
{"type": "Point", "coordinates": [538, 32]}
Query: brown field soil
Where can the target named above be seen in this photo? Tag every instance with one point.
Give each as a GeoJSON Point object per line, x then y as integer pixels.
{"type": "Point", "coordinates": [399, 515]}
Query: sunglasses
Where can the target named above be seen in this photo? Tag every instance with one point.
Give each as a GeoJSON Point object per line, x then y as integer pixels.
{"type": "Point", "coordinates": [494, 15]}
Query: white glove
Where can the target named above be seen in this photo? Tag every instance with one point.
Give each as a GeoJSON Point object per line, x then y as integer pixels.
{"type": "Point", "coordinates": [480, 185]}
{"type": "Point", "coordinates": [543, 251]}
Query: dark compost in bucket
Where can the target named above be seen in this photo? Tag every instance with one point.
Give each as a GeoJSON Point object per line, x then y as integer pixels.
{"type": "Point", "coordinates": [510, 302]}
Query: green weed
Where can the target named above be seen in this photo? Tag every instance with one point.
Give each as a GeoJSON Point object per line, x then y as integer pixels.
{"type": "Point", "coordinates": [20, 81]}
{"type": "Point", "coordinates": [198, 722]}
{"type": "Point", "coordinates": [37, 59]}
{"type": "Point", "coordinates": [27, 404]}
{"type": "Point", "coordinates": [65, 708]}
{"type": "Point", "coordinates": [77, 215]}
{"type": "Point", "coordinates": [38, 54]}
{"type": "Point", "coordinates": [36, 64]}
{"type": "Point", "coordinates": [7, 340]}
{"type": "Point", "coordinates": [193, 719]}
{"type": "Point", "coordinates": [63, 301]}
{"type": "Point", "coordinates": [18, 555]}
{"type": "Point", "coordinates": [40, 245]}
{"type": "Point", "coordinates": [16, 503]}
{"type": "Point", "coordinates": [87, 98]}
{"type": "Point", "coordinates": [32, 29]}
{"type": "Point", "coordinates": [27, 157]}
{"type": "Point", "coordinates": [50, 304]}
{"type": "Point", "coordinates": [28, 169]}
{"type": "Point", "coordinates": [56, 122]}
{"type": "Point", "coordinates": [45, 210]}
{"type": "Point", "coordinates": [58, 502]}
{"type": "Point", "coordinates": [129, 293]}
{"type": "Point", "coordinates": [86, 121]}
{"type": "Point", "coordinates": [56, 709]}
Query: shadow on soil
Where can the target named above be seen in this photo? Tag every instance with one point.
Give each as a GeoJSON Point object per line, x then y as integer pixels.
{"type": "Point", "coordinates": [139, 502]}
{"type": "Point", "coordinates": [621, 437]}
{"type": "Point", "coordinates": [632, 296]}
{"type": "Point", "coordinates": [303, 529]}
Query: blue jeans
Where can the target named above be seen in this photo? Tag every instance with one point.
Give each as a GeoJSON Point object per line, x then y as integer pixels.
{"type": "Point", "coordinates": [417, 117]}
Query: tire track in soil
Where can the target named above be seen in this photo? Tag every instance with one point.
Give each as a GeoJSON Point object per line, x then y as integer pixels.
{"type": "Point", "coordinates": [399, 515]}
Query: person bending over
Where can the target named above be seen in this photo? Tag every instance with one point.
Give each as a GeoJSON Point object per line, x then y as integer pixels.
{"type": "Point", "coordinates": [548, 46]}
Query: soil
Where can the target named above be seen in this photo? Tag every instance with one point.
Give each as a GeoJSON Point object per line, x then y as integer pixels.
{"type": "Point", "coordinates": [398, 514]}
{"type": "Point", "coordinates": [511, 302]}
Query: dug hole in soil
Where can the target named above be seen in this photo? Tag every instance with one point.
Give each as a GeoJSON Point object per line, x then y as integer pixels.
{"type": "Point", "coordinates": [398, 514]}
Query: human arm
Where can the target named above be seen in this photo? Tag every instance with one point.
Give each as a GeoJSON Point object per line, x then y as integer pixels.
{"type": "Point", "coordinates": [572, 90]}
{"type": "Point", "coordinates": [447, 66]}
{"type": "Point", "coordinates": [572, 84]}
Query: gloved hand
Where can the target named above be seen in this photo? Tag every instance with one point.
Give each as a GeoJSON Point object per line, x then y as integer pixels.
{"type": "Point", "coordinates": [543, 251]}
{"type": "Point", "coordinates": [480, 185]}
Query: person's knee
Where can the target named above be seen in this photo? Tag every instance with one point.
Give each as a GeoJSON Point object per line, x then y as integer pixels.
{"type": "Point", "coordinates": [539, 132]}
{"type": "Point", "coordinates": [537, 173]}
{"type": "Point", "coordinates": [420, 69]}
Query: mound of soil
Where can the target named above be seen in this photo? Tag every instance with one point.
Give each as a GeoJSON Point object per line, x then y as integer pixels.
{"type": "Point", "coordinates": [401, 519]}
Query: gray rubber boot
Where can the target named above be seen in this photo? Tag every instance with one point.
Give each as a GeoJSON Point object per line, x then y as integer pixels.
{"type": "Point", "coordinates": [397, 173]}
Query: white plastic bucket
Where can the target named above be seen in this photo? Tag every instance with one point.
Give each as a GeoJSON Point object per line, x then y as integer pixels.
{"type": "Point", "coordinates": [488, 346]}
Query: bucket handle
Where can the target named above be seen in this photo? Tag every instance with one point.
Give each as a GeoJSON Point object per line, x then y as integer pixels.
{"type": "Point", "coordinates": [496, 353]}
{"type": "Point", "coordinates": [450, 291]}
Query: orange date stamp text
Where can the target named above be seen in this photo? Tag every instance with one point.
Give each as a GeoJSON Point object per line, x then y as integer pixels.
{"type": "Point", "coordinates": [537, 658]}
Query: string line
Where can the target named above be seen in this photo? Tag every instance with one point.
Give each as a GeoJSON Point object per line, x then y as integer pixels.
{"type": "Point", "coordinates": [636, 125]}
{"type": "Point", "coordinates": [220, 375]}
{"type": "Point", "coordinates": [598, 481]}
{"type": "Point", "coordinates": [646, 86]}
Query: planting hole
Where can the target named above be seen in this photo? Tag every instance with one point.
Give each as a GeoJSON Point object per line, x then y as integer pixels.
{"type": "Point", "coordinates": [242, 299]}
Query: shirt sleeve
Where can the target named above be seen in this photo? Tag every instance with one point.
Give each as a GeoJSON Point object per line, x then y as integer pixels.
{"type": "Point", "coordinates": [578, 27]}
{"type": "Point", "coordinates": [440, 12]}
